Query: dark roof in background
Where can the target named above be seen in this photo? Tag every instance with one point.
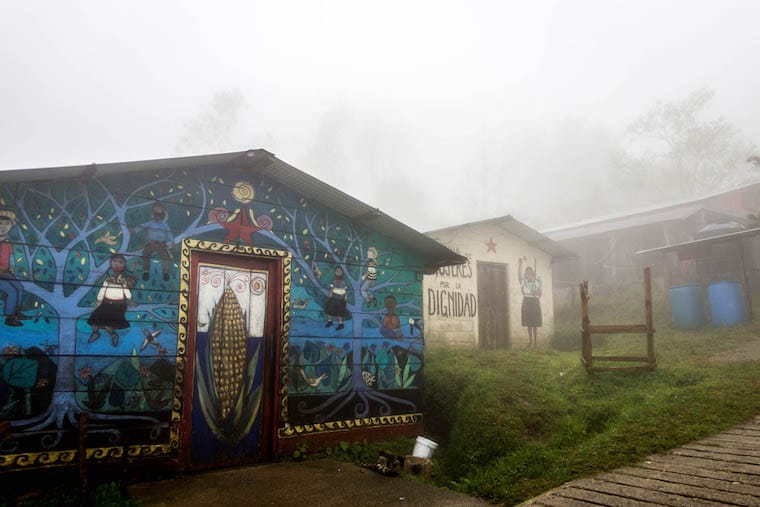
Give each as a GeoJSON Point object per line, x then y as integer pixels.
{"type": "Point", "coordinates": [652, 254]}
{"type": "Point", "coordinates": [266, 164]}
{"type": "Point", "coordinates": [511, 225]}
{"type": "Point", "coordinates": [677, 210]}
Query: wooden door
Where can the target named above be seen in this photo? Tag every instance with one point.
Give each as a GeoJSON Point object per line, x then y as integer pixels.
{"type": "Point", "coordinates": [493, 314]}
{"type": "Point", "coordinates": [231, 346]}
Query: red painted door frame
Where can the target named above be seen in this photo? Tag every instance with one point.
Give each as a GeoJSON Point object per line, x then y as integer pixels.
{"type": "Point", "coordinates": [271, 359]}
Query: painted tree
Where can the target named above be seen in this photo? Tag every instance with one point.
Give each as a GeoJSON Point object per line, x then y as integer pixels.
{"type": "Point", "coordinates": [66, 231]}
{"type": "Point", "coordinates": [319, 242]}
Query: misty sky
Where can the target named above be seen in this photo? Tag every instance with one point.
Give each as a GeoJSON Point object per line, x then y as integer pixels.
{"type": "Point", "coordinates": [437, 112]}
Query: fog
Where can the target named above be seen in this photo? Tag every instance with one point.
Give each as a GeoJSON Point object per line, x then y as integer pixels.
{"type": "Point", "coordinates": [437, 112]}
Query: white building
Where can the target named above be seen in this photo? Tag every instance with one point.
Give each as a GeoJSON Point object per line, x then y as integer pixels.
{"type": "Point", "coordinates": [479, 304]}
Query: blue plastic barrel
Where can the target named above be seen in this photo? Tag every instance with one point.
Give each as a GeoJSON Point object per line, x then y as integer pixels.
{"type": "Point", "coordinates": [687, 309]}
{"type": "Point", "coordinates": [726, 303]}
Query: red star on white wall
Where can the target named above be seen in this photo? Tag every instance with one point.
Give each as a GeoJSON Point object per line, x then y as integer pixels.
{"type": "Point", "coordinates": [491, 245]}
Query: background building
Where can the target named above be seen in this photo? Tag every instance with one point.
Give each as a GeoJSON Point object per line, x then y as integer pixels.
{"type": "Point", "coordinates": [479, 304]}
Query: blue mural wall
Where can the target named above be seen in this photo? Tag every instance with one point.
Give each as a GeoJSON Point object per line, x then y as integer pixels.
{"type": "Point", "coordinates": [89, 292]}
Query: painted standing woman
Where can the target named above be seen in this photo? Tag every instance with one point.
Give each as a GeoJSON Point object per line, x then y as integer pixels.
{"type": "Point", "coordinates": [531, 305]}
{"type": "Point", "coordinates": [112, 301]}
{"type": "Point", "coordinates": [336, 301]}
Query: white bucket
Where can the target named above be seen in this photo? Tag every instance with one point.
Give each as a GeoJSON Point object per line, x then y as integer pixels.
{"type": "Point", "coordinates": [423, 448]}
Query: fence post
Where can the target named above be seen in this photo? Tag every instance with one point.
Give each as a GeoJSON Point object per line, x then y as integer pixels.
{"type": "Point", "coordinates": [83, 486]}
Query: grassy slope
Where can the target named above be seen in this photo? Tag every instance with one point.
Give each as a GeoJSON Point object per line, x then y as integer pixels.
{"type": "Point", "coordinates": [513, 424]}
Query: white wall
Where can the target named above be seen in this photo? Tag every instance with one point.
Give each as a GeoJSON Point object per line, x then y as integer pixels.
{"type": "Point", "coordinates": [472, 241]}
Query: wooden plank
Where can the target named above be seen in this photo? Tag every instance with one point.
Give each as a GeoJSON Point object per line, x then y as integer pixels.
{"type": "Point", "coordinates": [683, 490]}
{"type": "Point", "coordinates": [630, 359]}
{"type": "Point", "coordinates": [621, 368]}
{"type": "Point", "coordinates": [639, 494]}
{"type": "Point", "coordinates": [682, 476]}
{"type": "Point", "coordinates": [598, 498]}
{"type": "Point", "coordinates": [648, 315]}
{"type": "Point", "coordinates": [723, 450]}
{"type": "Point", "coordinates": [667, 281]}
{"type": "Point", "coordinates": [82, 457]}
{"type": "Point", "coordinates": [551, 500]}
{"type": "Point", "coordinates": [751, 426]}
{"type": "Point", "coordinates": [585, 323]}
{"type": "Point", "coordinates": [744, 281]}
{"type": "Point", "coordinates": [747, 432]}
{"type": "Point", "coordinates": [717, 455]}
{"type": "Point", "coordinates": [733, 441]}
{"type": "Point", "coordinates": [618, 329]}
{"type": "Point", "coordinates": [711, 464]}
{"type": "Point", "coordinates": [681, 466]}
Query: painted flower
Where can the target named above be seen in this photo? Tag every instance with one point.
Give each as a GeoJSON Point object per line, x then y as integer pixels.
{"type": "Point", "coordinates": [265, 222]}
{"type": "Point", "coordinates": [85, 373]}
{"type": "Point", "coordinates": [368, 378]}
{"type": "Point", "coordinates": [218, 216]}
{"type": "Point", "coordinates": [12, 350]}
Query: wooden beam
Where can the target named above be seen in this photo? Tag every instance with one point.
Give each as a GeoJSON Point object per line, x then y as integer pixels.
{"type": "Point", "coordinates": [744, 281]}
{"type": "Point", "coordinates": [667, 280]}
{"type": "Point", "coordinates": [621, 368]}
{"type": "Point", "coordinates": [588, 361]}
{"type": "Point", "coordinates": [619, 329]}
{"type": "Point", "coordinates": [587, 330]}
{"type": "Point", "coordinates": [648, 315]}
{"type": "Point", "coordinates": [630, 359]}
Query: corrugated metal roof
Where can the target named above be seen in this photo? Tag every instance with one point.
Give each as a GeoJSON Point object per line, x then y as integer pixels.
{"type": "Point", "coordinates": [675, 210]}
{"type": "Point", "coordinates": [264, 163]}
{"type": "Point", "coordinates": [624, 222]}
{"type": "Point", "coordinates": [652, 253]}
{"type": "Point", "coordinates": [511, 225]}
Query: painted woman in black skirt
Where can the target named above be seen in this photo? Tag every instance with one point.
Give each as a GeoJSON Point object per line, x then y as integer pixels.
{"type": "Point", "coordinates": [112, 301]}
{"type": "Point", "coordinates": [336, 306]}
{"type": "Point", "coordinates": [531, 305]}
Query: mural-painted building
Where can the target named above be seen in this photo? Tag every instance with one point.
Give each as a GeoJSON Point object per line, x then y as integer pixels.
{"type": "Point", "coordinates": [502, 296]}
{"type": "Point", "coordinates": [211, 310]}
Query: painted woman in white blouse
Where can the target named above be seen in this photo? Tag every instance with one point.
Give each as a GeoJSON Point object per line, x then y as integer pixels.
{"type": "Point", "coordinates": [112, 301]}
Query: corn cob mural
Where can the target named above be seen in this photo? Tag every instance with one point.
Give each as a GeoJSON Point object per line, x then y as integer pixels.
{"type": "Point", "coordinates": [227, 394]}
{"type": "Point", "coordinates": [228, 351]}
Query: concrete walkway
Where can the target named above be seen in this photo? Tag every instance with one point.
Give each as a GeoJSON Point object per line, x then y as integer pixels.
{"type": "Point", "coordinates": [721, 470]}
{"type": "Point", "coordinates": [317, 483]}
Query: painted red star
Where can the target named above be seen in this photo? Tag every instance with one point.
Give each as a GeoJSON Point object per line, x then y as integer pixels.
{"type": "Point", "coordinates": [491, 245]}
{"type": "Point", "coordinates": [241, 229]}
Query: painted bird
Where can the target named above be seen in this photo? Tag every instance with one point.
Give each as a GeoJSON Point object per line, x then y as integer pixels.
{"type": "Point", "coordinates": [299, 303]}
{"type": "Point", "coordinates": [414, 323]}
{"type": "Point", "coordinates": [107, 238]}
{"type": "Point", "coordinates": [315, 269]}
{"type": "Point", "coordinates": [151, 339]}
{"type": "Point", "coordinates": [313, 381]}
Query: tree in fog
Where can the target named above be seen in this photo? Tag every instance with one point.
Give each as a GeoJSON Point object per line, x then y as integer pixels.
{"type": "Point", "coordinates": [211, 129]}
{"type": "Point", "coordinates": [675, 150]}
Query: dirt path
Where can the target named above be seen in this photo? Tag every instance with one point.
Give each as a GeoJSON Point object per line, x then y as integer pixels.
{"type": "Point", "coordinates": [747, 352]}
{"type": "Point", "coordinates": [318, 483]}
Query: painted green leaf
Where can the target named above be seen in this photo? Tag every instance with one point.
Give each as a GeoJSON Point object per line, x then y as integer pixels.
{"type": "Point", "coordinates": [20, 372]}
{"type": "Point", "coordinates": [126, 375]}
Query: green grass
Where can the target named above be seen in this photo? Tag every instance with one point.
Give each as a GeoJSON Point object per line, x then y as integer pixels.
{"type": "Point", "coordinates": [513, 424]}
